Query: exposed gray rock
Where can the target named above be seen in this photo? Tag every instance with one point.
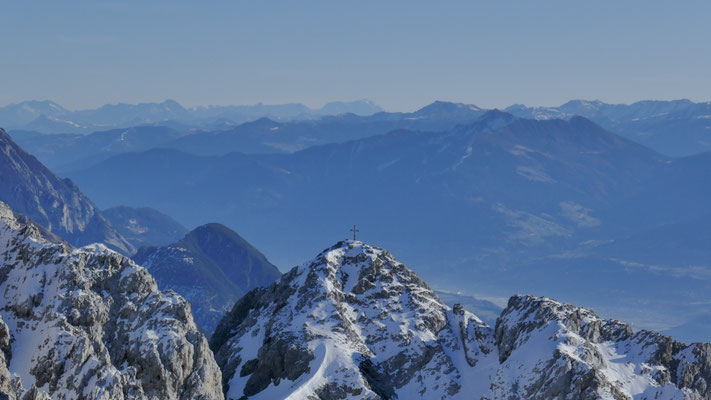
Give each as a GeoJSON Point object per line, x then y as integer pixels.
{"type": "Point", "coordinates": [355, 323]}
{"type": "Point", "coordinates": [90, 324]}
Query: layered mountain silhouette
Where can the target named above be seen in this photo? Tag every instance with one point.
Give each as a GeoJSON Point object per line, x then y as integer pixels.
{"type": "Point", "coordinates": [676, 128]}
{"type": "Point", "coordinates": [50, 117]}
{"type": "Point", "coordinates": [507, 203]}
{"type": "Point", "coordinates": [212, 267]}
{"type": "Point", "coordinates": [57, 204]}
{"type": "Point", "coordinates": [64, 152]}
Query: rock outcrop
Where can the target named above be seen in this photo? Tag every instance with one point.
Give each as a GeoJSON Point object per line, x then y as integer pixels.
{"type": "Point", "coordinates": [355, 323]}
{"type": "Point", "coordinates": [88, 323]}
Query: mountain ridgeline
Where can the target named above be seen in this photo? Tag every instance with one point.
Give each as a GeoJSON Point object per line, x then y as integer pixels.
{"type": "Point", "coordinates": [498, 205]}
{"type": "Point", "coordinates": [57, 204]}
{"type": "Point", "coordinates": [67, 152]}
{"type": "Point", "coordinates": [50, 117]}
{"type": "Point", "coordinates": [675, 128]}
{"type": "Point", "coordinates": [212, 267]}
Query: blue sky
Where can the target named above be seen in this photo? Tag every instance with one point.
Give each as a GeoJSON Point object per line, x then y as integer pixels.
{"type": "Point", "coordinates": [402, 55]}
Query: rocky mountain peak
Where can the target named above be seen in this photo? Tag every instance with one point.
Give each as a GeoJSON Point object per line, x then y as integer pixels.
{"type": "Point", "coordinates": [88, 323]}
{"type": "Point", "coordinates": [355, 322]}
{"type": "Point", "coordinates": [352, 322]}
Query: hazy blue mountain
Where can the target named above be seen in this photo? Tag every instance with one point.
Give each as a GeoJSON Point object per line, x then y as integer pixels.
{"type": "Point", "coordinates": [63, 152]}
{"type": "Point", "coordinates": [211, 267]}
{"type": "Point", "coordinates": [71, 151]}
{"type": "Point", "coordinates": [46, 147]}
{"type": "Point", "coordinates": [677, 128]}
{"type": "Point", "coordinates": [358, 107]}
{"type": "Point", "coordinates": [291, 111]}
{"type": "Point", "coordinates": [144, 226]}
{"type": "Point", "coordinates": [246, 113]}
{"type": "Point", "coordinates": [268, 136]}
{"type": "Point", "coordinates": [493, 207]}
{"type": "Point", "coordinates": [21, 114]}
{"type": "Point", "coordinates": [49, 117]}
{"type": "Point", "coordinates": [33, 190]}
{"type": "Point", "coordinates": [497, 170]}
{"type": "Point", "coordinates": [115, 115]}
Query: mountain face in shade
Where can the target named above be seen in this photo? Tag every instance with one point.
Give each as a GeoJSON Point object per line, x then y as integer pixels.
{"type": "Point", "coordinates": [268, 136]}
{"type": "Point", "coordinates": [356, 323]}
{"type": "Point", "coordinates": [211, 267]}
{"type": "Point", "coordinates": [88, 323]}
{"type": "Point", "coordinates": [32, 189]}
{"type": "Point", "coordinates": [144, 226]}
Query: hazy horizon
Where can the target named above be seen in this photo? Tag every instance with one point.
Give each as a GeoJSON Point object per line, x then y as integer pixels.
{"type": "Point", "coordinates": [401, 55]}
{"type": "Point", "coordinates": [320, 105]}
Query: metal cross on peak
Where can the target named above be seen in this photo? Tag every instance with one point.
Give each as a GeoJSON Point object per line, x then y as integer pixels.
{"type": "Point", "coordinates": [354, 230]}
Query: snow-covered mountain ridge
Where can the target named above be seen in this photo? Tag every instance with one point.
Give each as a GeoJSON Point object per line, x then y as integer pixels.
{"type": "Point", "coordinates": [88, 323]}
{"type": "Point", "coordinates": [356, 323]}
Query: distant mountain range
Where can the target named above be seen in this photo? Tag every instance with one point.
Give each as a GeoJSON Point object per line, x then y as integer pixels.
{"type": "Point", "coordinates": [675, 128]}
{"type": "Point", "coordinates": [63, 152]}
{"type": "Point", "coordinates": [503, 193]}
{"type": "Point", "coordinates": [498, 205]}
{"type": "Point", "coordinates": [50, 117]}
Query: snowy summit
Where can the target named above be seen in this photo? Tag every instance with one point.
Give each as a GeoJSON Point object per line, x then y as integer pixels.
{"type": "Point", "coordinates": [356, 323]}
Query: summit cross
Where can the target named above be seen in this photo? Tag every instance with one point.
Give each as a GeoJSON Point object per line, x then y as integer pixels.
{"type": "Point", "coordinates": [354, 230]}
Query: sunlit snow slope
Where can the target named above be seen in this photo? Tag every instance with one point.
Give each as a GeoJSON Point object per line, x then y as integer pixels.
{"type": "Point", "coordinates": [355, 323]}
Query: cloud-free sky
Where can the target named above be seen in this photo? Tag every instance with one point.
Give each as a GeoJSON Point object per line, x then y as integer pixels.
{"type": "Point", "coordinates": [401, 54]}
